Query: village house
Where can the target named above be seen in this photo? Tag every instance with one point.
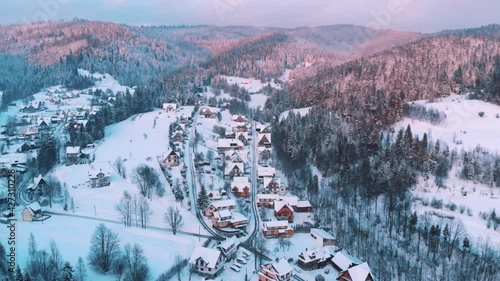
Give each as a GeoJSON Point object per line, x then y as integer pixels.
{"type": "Point", "coordinates": [229, 144]}
{"type": "Point", "coordinates": [283, 211]}
{"type": "Point", "coordinates": [226, 218]}
{"type": "Point", "coordinates": [242, 136]}
{"type": "Point", "coordinates": [266, 200]}
{"type": "Point", "coordinates": [72, 155]}
{"type": "Point", "coordinates": [37, 186]}
{"type": "Point", "coordinates": [264, 153]}
{"type": "Point", "coordinates": [177, 137]}
{"type": "Point", "coordinates": [359, 272]}
{"type": "Point", "coordinates": [263, 172]}
{"type": "Point", "coordinates": [98, 179]}
{"type": "Point", "coordinates": [277, 229]}
{"type": "Point", "coordinates": [234, 169]}
{"type": "Point", "coordinates": [280, 270]}
{"type": "Point", "coordinates": [303, 206]}
{"type": "Point", "coordinates": [240, 186]}
{"type": "Point", "coordinates": [264, 140]}
{"type": "Point", "coordinates": [274, 186]}
{"type": "Point", "coordinates": [235, 156]}
{"type": "Point", "coordinates": [184, 119]}
{"type": "Point", "coordinates": [170, 107]}
{"type": "Point", "coordinates": [226, 105]}
{"type": "Point", "coordinates": [228, 248]}
{"type": "Point", "coordinates": [208, 113]}
{"type": "Point", "coordinates": [206, 262]}
{"type": "Point", "coordinates": [314, 259]}
{"type": "Point", "coordinates": [216, 194]}
{"type": "Point", "coordinates": [240, 127]}
{"type": "Point", "coordinates": [219, 206]}
{"type": "Point", "coordinates": [26, 132]}
{"type": "Point", "coordinates": [343, 260]}
{"type": "Point", "coordinates": [239, 118]}
{"type": "Point", "coordinates": [44, 123]}
{"type": "Point", "coordinates": [170, 159]}
{"type": "Point", "coordinates": [229, 134]}
{"type": "Point", "coordinates": [32, 212]}
{"type": "Point", "coordinates": [323, 238]}
{"type": "Point", "coordinates": [262, 129]}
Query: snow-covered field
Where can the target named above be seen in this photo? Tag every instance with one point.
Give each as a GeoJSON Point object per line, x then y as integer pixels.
{"type": "Point", "coordinates": [250, 84]}
{"type": "Point", "coordinates": [73, 235]}
{"type": "Point", "coordinates": [463, 123]}
{"type": "Point", "coordinates": [462, 129]}
{"type": "Point", "coordinates": [105, 82]}
{"type": "Point", "coordinates": [300, 111]}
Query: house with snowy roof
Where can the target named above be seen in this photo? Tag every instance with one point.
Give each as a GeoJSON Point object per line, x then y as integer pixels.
{"type": "Point", "coordinates": [265, 172]}
{"type": "Point", "coordinates": [234, 169]}
{"type": "Point", "coordinates": [280, 270]}
{"type": "Point", "coordinates": [72, 155]}
{"type": "Point", "coordinates": [240, 186]}
{"type": "Point", "coordinates": [264, 152]}
{"type": "Point", "coordinates": [177, 137]}
{"type": "Point", "coordinates": [206, 262]}
{"type": "Point", "coordinates": [264, 140]}
{"type": "Point", "coordinates": [277, 229]}
{"type": "Point", "coordinates": [359, 272]}
{"type": "Point", "coordinates": [226, 218]}
{"type": "Point", "coordinates": [208, 113]}
{"type": "Point", "coordinates": [283, 211]}
{"type": "Point", "coordinates": [272, 185]}
{"type": "Point", "coordinates": [342, 260]}
{"type": "Point", "coordinates": [98, 179]}
{"type": "Point", "coordinates": [219, 206]}
{"type": "Point", "coordinates": [170, 107]}
{"type": "Point", "coordinates": [224, 145]}
{"type": "Point", "coordinates": [170, 158]}
{"type": "Point", "coordinates": [240, 127]}
{"type": "Point", "coordinates": [314, 259]}
{"type": "Point", "coordinates": [266, 200]}
{"type": "Point", "coordinates": [242, 136]}
{"type": "Point", "coordinates": [239, 118]}
{"type": "Point", "coordinates": [322, 237]}
{"type": "Point", "coordinates": [229, 248]}
{"type": "Point", "coordinates": [32, 212]}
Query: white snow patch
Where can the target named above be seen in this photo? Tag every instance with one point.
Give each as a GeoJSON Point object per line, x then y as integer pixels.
{"type": "Point", "coordinates": [300, 111]}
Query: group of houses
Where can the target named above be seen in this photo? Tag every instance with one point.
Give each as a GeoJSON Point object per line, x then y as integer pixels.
{"type": "Point", "coordinates": [223, 214]}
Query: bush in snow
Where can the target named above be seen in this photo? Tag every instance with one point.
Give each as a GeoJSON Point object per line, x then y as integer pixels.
{"type": "Point", "coordinates": [319, 277]}
{"type": "Point", "coordinates": [462, 209]}
{"type": "Point", "coordinates": [498, 115]}
{"type": "Point", "coordinates": [425, 202]}
{"type": "Point", "coordinates": [452, 206]}
{"type": "Point", "coordinates": [481, 114]}
{"type": "Point", "coordinates": [436, 204]}
{"type": "Point", "coordinates": [469, 212]}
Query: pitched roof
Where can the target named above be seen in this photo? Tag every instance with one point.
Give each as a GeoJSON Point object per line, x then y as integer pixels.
{"type": "Point", "coordinates": [360, 272]}
{"type": "Point", "coordinates": [278, 205]}
{"type": "Point", "coordinates": [222, 215]}
{"type": "Point", "coordinates": [240, 183]}
{"type": "Point", "coordinates": [282, 267]}
{"type": "Point", "coordinates": [230, 166]}
{"type": "Point", "coordinates": [223, 203]}
{"type": "Point", "coordinates": [269, 224]}
{"type": "Point", "coordinates": [225, 143]}
{"type": "Point", "coordinates": [170, 152]}
{"type": "Point", "coordinates": [34, 207]}
{"type": "Point", "coordinates": [304, 204]}
{"type": "Point", "coordinates": [343, 260]}
{"type": "Point", "coordinates": [265, 171]}
{"type": "Point", "coordinates": [267, 196]}
{"type": "Point", "coordinates": [228, 243]}
{"type": "Point", "coordinates": [73, 149]}
{"type": "Point", "coordinates": [265, 135]}
{"type": "Point", "coordinates": [269, 180]}
{"type": "Point", "coordinates": [209, 256]}
{"type": "Point", "coordinates": [319, 254]}
{"type": "Point", "coordinates": [322, 233]}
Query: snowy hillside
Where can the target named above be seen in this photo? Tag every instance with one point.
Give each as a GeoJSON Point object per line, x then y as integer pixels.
{"type": "Point", "coordinates": [463, 126]}
{"type": "Point", "coordinates": [300, 111]}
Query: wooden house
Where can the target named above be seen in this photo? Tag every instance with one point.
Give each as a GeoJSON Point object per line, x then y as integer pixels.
{"type": "Point", "coordinates": [272, 185]}
{"type": "Point", "coordinates": [72, 155]}
{"type": "Point", "coordinates": [359, 272]}
{"type": "Point", "coordinates": [228, 248]}
{"type": "Point", "coordinates": [323, 238]}
{"type": "Point", "coordinates": [239, 118]}
{"type": "Point", "coordinates": [314, 259]}
{"type": "Point", "coordinates": [177, 137]}
{"type": "Point", "coordinates": [234, 169]}
{"type": "Point", "coordinates": [170, 159]}
{"type": "Point", "coordinates": [208, 113]}
{"type": "Point", "coordinates": [266, 200]}
{"type": "Point", "coordinates": [277, 229]}
{"type": "Point", "coordinates": [207, 262]}
{"type": "Point", "coordinates": [98, 179]}
{"type": "Point", "coordinates": [32, 212]}
{"type": "Point", "coordinates": [219, 206]}
{"type": "Point", "coordinates": [226, 218]}
{"type": "Point", "coordinates": [283, 211]}
{"type": "Point", "coordinates": [264, 140]}
{"type": "Point", "coordinates": [170, 107]}
{"type": "Point", "coordinates": [280, 270]}
{"type": "Point", "coordinates": [240, 186]}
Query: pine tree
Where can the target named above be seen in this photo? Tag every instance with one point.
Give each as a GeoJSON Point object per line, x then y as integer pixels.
{"type": "Point", "coordinates": [67, 272]}
{"type": "Point", "coordinates": [203, 200]}
{"type": "Point", "coordinates": [19, 274]}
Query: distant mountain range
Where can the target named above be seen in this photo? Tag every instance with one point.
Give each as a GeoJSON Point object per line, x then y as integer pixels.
{"type": "Point", "coordinates": [328, 63]}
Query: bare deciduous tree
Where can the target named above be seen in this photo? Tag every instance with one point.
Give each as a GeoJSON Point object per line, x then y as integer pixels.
{"type": "Point", "coordinates": [125, 209]}
{"type": "Point", "coordinates": [174, 219]}
{"type": "Point", "coordinates": [104, 248]}
{"type": "Point", "coordinates": [144, 211]}
{"type": "Point", "coordinates": [137, 264]}
{"type": "Point", "coordinates": [147, 179]}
